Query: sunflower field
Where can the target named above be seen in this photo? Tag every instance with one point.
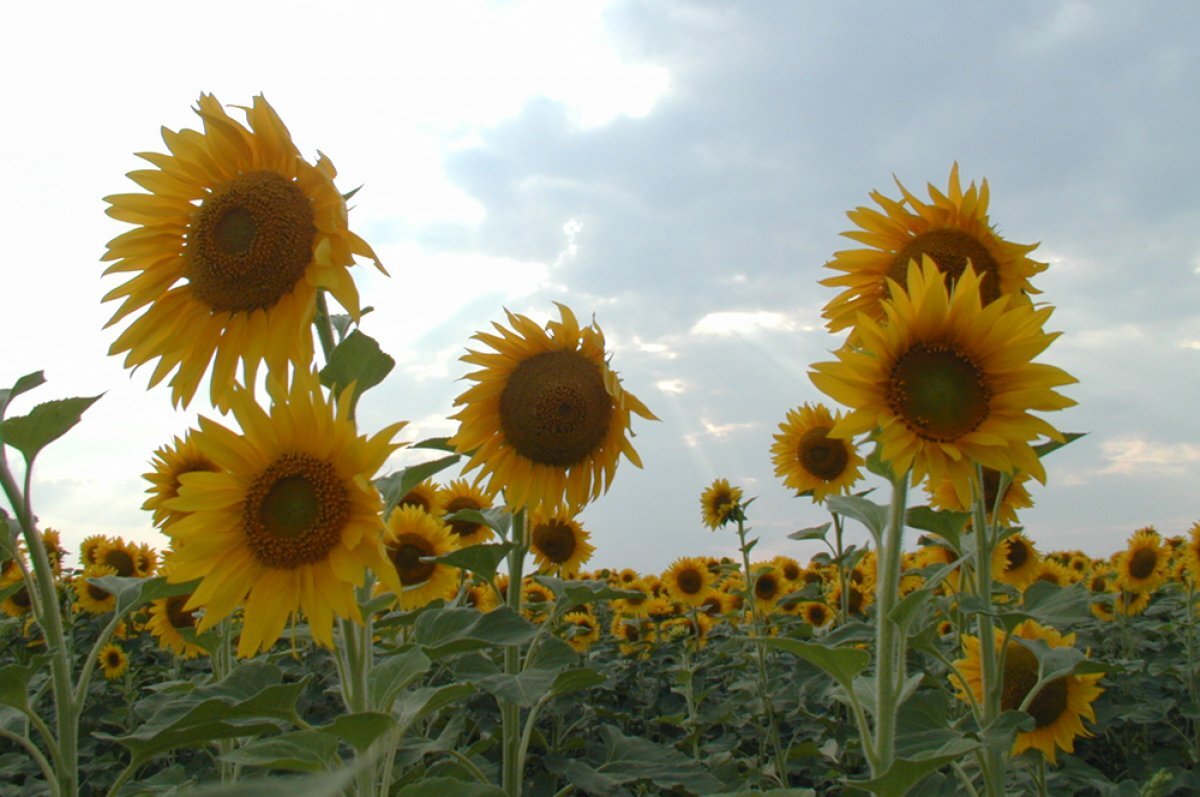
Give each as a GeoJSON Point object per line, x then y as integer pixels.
{"type": "Point", "coordinates": [313, 625]}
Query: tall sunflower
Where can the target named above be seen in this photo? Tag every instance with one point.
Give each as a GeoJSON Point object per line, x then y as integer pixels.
{"type": "Point", "coordinates": [412, 535]}
{"type": "Point", "coordinates": [688, 580]}
{"type": "Point", "coordinates": [547, 419]}
{"type": "Point", "coordinates": [808, 459]}
{"type": "Point", "coordinates": [235, 238]}
{"type": "Point", "coordinates": [720, 503]}
{"type": "Point", "coordinates": [952, 229]}
{"type": "Point", "coordinates": [1142, 566]}
{"type": "Point", "coordinates": [1058, 708]}
{"type": "Point", "coordinates": [559, 543]}
{"type": "Point", "coordinates": [291, 521]}
{"type": "Point", "coordinates": [948, 382]}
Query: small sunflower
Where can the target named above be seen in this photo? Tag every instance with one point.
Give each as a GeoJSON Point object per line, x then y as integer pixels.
{"type": "Point", "coordinates": [720, 503]}
{"type": "Point", "coordinates": [235, 238]}
{"type": "Point", "coordinates": [816, 614]}
{"type": "Point", "coordinates": [1015, 561]}
{"type": "Point", "coordinates": [424, 495]}
{"type": "Point", "coordinates": [52, 542]}
{"type": "Point", "coordinates": [113, 661]}
{"type": "Point", "coordinates": [412, 535]}
{"type": "Point", "coordinates": [1142, 566]}
{"type": "Point", "coordinates": [581, 630]}
{"type": "Point", "coordinates": [808, 459]}
{"type": "Point", "coordinates": [170, 462]}
{"type": "Point", "coordinates": [768, 589]}
{"type": "Point", "coordinates": [290, 523]}
{"type": "Point", "coordinates": [688, 580]}
{"type": "Point", "coordinates": [90, 598]}
{"type": "Point", "coordinates": [559, 543]}
{"type": "Point", "coordinates": [948, 382]}
{"type": "Point", "coordinates": [1191, 553]}
{"type": "Point", "coordinates": [536, 601]}
{"type": "Point", "coordinates": [1054, 572]}
{"type": "Point", "coordinates": [89, 547]}
{"type": "Point", "coordinates": [120, 555]}
{"type": "Point", "coordinates": [952, 229]}
{"type": "Point", "coordinates": [460, 495]}
{"type": "Point", "coordinates": [19, 603]}
{"type": "Point", "coordinates": [1058, 708]}
{"type": "Point", "coordinates": [943, 496]}
{"type": "Point", "coordinates": [167, 617]}
{"type": "Point", "coordinates": [547, 419]}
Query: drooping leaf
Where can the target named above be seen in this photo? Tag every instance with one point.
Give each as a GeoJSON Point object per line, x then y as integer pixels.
{"type": "Point", "coordinates": [395, 486]}
{"type": "Point", "coordinates": [393, 674]}
{"type": "Point", "coordinates": [44, 424]}
{"type": "Point", "coordinates": [842, 664]}
{"type": "Point", "coordinates": [814, 533]}
{"type": "Point", "coordinates": [134, 592]}
{"type": "Point", "coordinates": [417, 703]}
{"type": "Point", "coordinates": [357, 360]}
{"type": "Point", "coordinates": [1053, 445]}
{"type": "Point", "coordinates": [298, 751]}
{"type": "Point", "coordinates": [944, 523]}
{"type": "Point", "coordinates": [482, 560]}
{"type": "Point", "coordinates": [906, 772]}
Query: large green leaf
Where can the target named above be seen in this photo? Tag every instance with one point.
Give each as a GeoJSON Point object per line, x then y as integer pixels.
{"type": "Point", "coordinates": [814, 533]}
{"type": "Point", "coordinates": [361, 730]}
{"type": "Point", "coordinates": [391, 675]}
{"type": "Point", "coordinates": [1049, 604]}
{"type": "Point", "coordinates": [843, 664]}
{"type": "Point", "coordinates": [251, 701]}
{"type": "Point", "coordinates": [395, 486]}
{"type": "Point", "coordinates": [904, 773]}
{"type": "Point", "coordinates": [299, 751]}
{"type": "Point", "coordinates": [944, 523]}
{"type": "Point", "coordinates": [524, 689]}
{"type": "Point", "coordinates": [14, 683]}
{"type": "Point", "coordinates": [417, 703]}
{"type": "Point", "coordinates": [357, 360]}
{"type": "Point", "coordinates": [482, 560]}
{"type": "Point", "coordinates": [44, 424]}
{"type": "Point", "coordinates": [618, 760]}
{"type": "Point", "coordinates": [449, 631]}
{"type": "Point", "coordinates": [22, 385]}
{"type": "Point", "coordinates": [576, 680]}
{"type": "Point", "coordinates": [872, 515]}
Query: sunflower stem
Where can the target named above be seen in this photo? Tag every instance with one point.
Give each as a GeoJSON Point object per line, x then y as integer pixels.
{"type": "Point", "coordinates": [510, 713]}
{"type": "Point", "coordinates": [990, 674]}
{"type": "Point", "coordinates": [888, 668]}
{"type": "Point", "coordinates": [48, 615]}
{"type": "Point", "coordinates": [760, 655]}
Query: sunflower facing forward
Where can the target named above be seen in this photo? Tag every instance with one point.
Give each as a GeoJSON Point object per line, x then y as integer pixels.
{"type": "Point", "coordinates": [291, 521]}
{"type": "Point", "coordinates": [1058, 708]}
{"type": "Point", "coordinates": [808, 459]}
{"type": "Point", "coordinates": [232, 243]}
{"type": "Point", "coordinates": [952, 229]}
{"type": "Point", "coordinates": [948, 382]}
{"type": "Point", "coordinates": [559, 544]}
{"type": "Point", "coordinates": [546, 419]}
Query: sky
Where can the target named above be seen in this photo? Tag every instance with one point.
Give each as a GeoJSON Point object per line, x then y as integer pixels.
{"type": "Point", "coordinates": [678, 170]}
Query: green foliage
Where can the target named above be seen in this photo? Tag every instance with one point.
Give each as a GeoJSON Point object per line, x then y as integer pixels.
{"type": "Point", "coordinates": [357, 360]}
{"type": "Point", "coordinates": [44, 424]}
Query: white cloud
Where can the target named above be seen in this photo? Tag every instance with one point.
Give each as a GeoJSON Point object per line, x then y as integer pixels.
{"type": "Point", "coordinates": [734, 322]}
{"type": "Point", "coordinates": [1137, 456]}
{"type": "Point", "coordinates": [715, 431]}
{"type": "Point", "coordinates": [670, 385]}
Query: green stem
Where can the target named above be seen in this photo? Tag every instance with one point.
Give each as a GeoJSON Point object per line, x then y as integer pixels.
{"type": "Point", "coordinates": [49, 616]}
{"type": "Point", "coordinates": [689, 693]}
{"type": "Point", "coordinates": [990, 674]}
{"type": "Point", "coordinates": [888, 668]}
{"type": "Point", "coordinates": [38, 758]}
{"type": "Point", "coordinates": [510, 713]}
{"type": "Point", "coordinates": [760, 651]}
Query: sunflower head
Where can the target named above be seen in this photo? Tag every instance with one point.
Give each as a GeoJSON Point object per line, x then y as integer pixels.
{"type": "Point", "coordinates": [458, 496]}
{"type": "Point", "coordinates": [113, 661]}
{"type": "Point", "coordinates": [90, 598]}
{"type": "Point", "coordinates": [948, 382]}
{"type": "Point", "coordinates": [810, 461]}
{"type": "Point", "coordinates": [944, 495]}
{"type": "Point", "coordinates": [547, 420]}
{"type": "Point", "coordinates": [1015, 561]}
{"type": "Point", "coordinates": [169, 463]}
{"type": "Point", "coordinates": [952, 230]}
{"type": "Point", "coordinates": [1142, 566]}
{"type": "Point", "coordinates": [169, 616]}
{"type": "Point", "coordinates": [235, 237]}
{"type": "Point", "coordinates": [412, 538]}
{"type": "Point", "coordinates": [688, 580]}
{"type": "Point", "coordinates": [581, 630]}
{"type": "Point", "coordinates": [720, 504]}
{"type": "Point", "coordinates": [559, 543]}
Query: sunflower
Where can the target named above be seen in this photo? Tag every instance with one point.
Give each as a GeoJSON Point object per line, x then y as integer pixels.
{"type": "Point", "coordinates": [460, 495]}
{"type": "Point", "coordinates": [167, 617]}
{"type": "Point", "coordinates": [1015, 561]}
{"type": "Point", "coordinates": [170, 462]}
{"type": "Point", "coordinates": [943, 496]}
{"type": "Point", "coordinates": [692, 630]}
{"type": "Point", "coordinates": [815, 613]}
{"type": "Point", "coordinates": [52, 543]}
{"type": "Point", "coordinates": [536, 601]}
{"type": "Point", "coordinates": [291, 521]}
{"type": "Point", "coordinates": [636, 605]}
{"type": "Point", "coordinates": [19, 603]}
{"type": "Point", "coordinates": [559, 543]}
{"type": "Point", "coordinates": [1057, 709]}
{"type": "Point", "coordinates": [1191, 553]}
{"type": "Point", "coordinates": [952, 229]}
{"type": "Point", "coordinates": [547, 418]}
{"type": "Point", "coordinates": [235, 238]}
{"type": "Point", "coordinates": [687, 580]}
{"type": "Point", "coordinates": [948, 382]}
{"type": "Point", "coordinates": [808, 459]}
{"type": "Point", "coordinates": [412, 535]}
{"type": "Point", "coordinates": [1054, 572]}
{"type": "Point", "coordinates": [720, 503]}
{"type": "Point", "coordinates": [768, 589]}
{"type": "Point", "coordinates": [790, 569]}
{"type": "Point", "coordinates": [1142, 566]}
{"type": "Point", "coordinates": [113, 661]}
{"type": "Point", "coordinates": [90, 598]}
{"type": "Point", "coordinates": [424, 495]}
{"type": "Point", "coordinates": [1100, 583]}
{"type": "Point", "coordinates": [89, 547]}
{"type": "Point", "coordinates": [858, 597]}
{"type": "Point", "coordinates": [581, 630]}
{"type": "Point", "coordinates": [481, 596]}
{"type": "Point", "coordinates": [716, 603]}
{"type": "Point", "coordinates": [120, 555]}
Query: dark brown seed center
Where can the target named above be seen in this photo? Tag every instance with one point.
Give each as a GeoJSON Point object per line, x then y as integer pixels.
{"type": "Point", "coordinates": [821, 455]}
{"type": "Point", "coordinates": [938, 393]}
{"type": "Point", "coordinates": [1143, 562]}
{"type": "Point", "coordinates": [250, 242]}
{"type": "Point", "coordinates": [1020, 676]}
{"type": "Point", "coordinates": [294, 512]}
{"type": "Point", "coordinates": [556, 541]}
{"type": "Point", "coordinates": [406, 553]}
{"type": "Point", "coordinates": [177, 615]}
{"type": "Point", "coordinates": [950, 250]}
{"type": "Point", "coordinates": [690, 581]}
{"type": "Point", "coordinates": [555, 409]}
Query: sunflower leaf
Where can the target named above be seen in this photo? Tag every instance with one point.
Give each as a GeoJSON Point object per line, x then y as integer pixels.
{"type": "Point", "coordinates": [482, 560]}
{"type": "Point", "coordinates": [448, 631]}
{"type": "Point", "coordinates": [437, 444]}
{"type": "Point", "coordinates": [299, 751]}
{"type": "Point", "coordinates": [361, 730]}
{"type": "Point", "coordinates": [814, 533]}
{"type": "Point", "coordinates": [395, 486]}
{"type": "Point", "coordinates": [389, 677]}
{"type": "Point", "coordinates": [44, 424]}
{"type": "Point", "coordinates": [1050, 604]}
{"type": "Point", "coordinates": [872, 515]}
{"type": "Point", "coordinates": [357, 361]}
{"type": "Point", "coordinates": [22, 385]}
{"type": "Point", "coordinates": [1053, 445]}
{"type": "Point", "coordinates": [944, 523]}
{"type": "Point", "coordinates": [134, 592]}
{"type": "Point", "coordinates": [842, 664]}
{"type": "Point", "coordinates": [904, 773]}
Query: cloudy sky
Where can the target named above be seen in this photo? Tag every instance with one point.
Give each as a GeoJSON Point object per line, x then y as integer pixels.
{"type": "Point", "coordinates": [681, 170]}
